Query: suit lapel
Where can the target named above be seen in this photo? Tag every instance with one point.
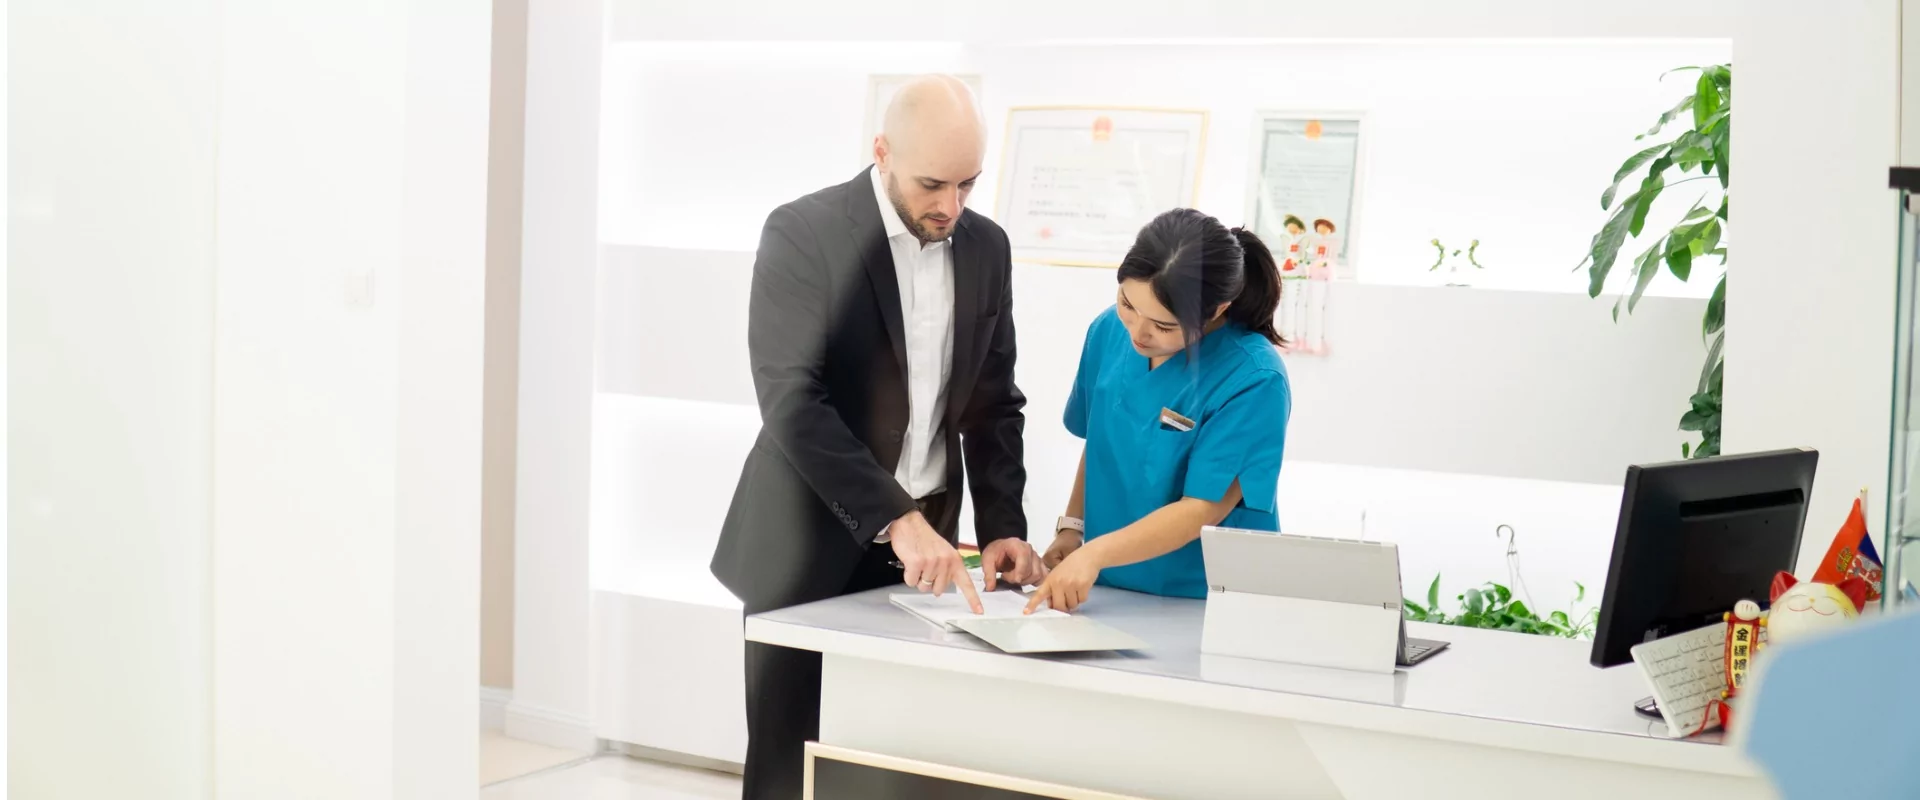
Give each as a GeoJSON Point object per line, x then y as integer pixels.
{"type": "Point", "coordinates": [968, 264]}
{"type": "Point", "coordinates": [870, 240]}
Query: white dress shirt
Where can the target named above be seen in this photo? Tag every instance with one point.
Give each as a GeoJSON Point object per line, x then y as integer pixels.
{"type": "Point", "coordinates": [925, 273]}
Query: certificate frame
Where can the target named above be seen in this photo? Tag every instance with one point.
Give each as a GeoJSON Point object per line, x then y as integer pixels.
{"type": "Point", "coordinates": [1193, 123]}
{"type": "Point", "coordinates": [880, 91]}
{"type": "Point", "coordinates": [817, 752]}
{"type": "Point", "coordinates": [1345, 268]}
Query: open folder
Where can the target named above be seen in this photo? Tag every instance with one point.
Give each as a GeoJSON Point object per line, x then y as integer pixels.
{"type": "Point", "coordinates": [951, 607]}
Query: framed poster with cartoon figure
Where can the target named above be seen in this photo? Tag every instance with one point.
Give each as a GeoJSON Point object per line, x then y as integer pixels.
{"type": "Point", "coordinates": [1078, 182]}
{"type": "Point", "coordinates": [1303, 197]}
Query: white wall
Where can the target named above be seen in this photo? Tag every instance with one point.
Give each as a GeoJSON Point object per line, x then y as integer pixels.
{"type": "Point", "coordinates": [4, 660]}
{"type": "Point", "coordinates": [559, 255]}
{"type": "Point", "coordinates": [351, 231]}
{"type": "Point", "coordinates": [247, 517]}
{"type": "Point", "coordinates": [1515, 384]}
{"type": "Point", "coordinates": [1809, 353]}
{"type": "Point", "coordinates": [110, 336]}
{"type": "Point", "coordinates": [506, 151]}
{"type": "Point", "coordinates": [441, 291]}
{"type": "Point", "coordinates": [1133, 20]}
{"type": "Point", "coordinates": [1460, 143]}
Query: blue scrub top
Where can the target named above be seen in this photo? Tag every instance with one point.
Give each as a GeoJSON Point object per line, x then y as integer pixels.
{"type": "Point", "coordinates": [1235, 391]}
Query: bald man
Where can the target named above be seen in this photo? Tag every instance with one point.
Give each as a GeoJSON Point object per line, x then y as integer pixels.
{"type": "Point", "coordinates": [880, 332]}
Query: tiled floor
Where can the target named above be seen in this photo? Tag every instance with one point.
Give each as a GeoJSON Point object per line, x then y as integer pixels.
{"type": "Point", "coordinates": [502, 758]}
{"type": "Point", "coordinates": [614, 777]}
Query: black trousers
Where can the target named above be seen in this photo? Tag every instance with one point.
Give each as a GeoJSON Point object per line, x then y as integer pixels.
{"type": "Point", "coordinates": [783, 692]}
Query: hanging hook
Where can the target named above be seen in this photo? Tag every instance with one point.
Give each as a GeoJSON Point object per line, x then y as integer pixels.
{"type": "Point", "coordinates": [1513, 544]}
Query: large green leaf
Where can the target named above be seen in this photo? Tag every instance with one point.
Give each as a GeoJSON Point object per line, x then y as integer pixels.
{"type": "Point", "coordinates": [1649, 191]}
{"type": "Point", "coordinates": [1722, 147]}
{"type": "Point", "coordinates": [1704, 414]}
{"type": "Point", "coordinates": [1716, 120]}
{"type": "Point", "coordinates": [1632, 164]}
{"type": "Point", "coordinates": [1710, 369]}
{"type": "Point", "coordinates": [1707, 100]}
{"type": "Point", "coordinates": [1707, 238]}
{"type": "Point", "coordinates": [1605, 248]}
{"type": "Point", "coordinates": [1672, 114]}
{"type": "Point", "coordinates": [1433, 593]}
{"type": "Point", "coordinates": [1722, 76]}
{"type": "Point", "coordinates": [1644, 268]}
{"type": "Point", "coordinates": [1716, 317]}
{"type": "Point", "coordinates": [1680, 262]}
{"type": "Point", "coordinates": [1691, 150]}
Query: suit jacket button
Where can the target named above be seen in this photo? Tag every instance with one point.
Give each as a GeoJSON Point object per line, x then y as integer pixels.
{"type": "Point", "coordinates": [895, 436]}
{"type": "Point", "coordinates": [853, 525]}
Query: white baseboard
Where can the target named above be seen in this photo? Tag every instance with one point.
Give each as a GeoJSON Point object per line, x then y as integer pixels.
{"type": "Point", "coordinates": [493, 708]}
{"type": "Point", "coordinates": [681, 759]}
{"type": "Point", "coordinates": [530, 723]}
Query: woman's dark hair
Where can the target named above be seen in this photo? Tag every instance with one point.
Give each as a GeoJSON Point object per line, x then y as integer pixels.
{"type": "Point", "coordinates": [1194, 264]}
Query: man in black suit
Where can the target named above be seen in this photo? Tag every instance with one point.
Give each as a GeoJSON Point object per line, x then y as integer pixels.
{"type": "Point", "coordinates": [880, 332]}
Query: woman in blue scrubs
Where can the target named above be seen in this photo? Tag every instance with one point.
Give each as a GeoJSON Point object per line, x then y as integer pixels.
{"type": "Point", "coordinates": [1183, 402]}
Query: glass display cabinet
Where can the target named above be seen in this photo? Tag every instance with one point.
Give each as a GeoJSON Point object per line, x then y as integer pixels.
{"type": "Point", "coordinates": [1902, 538]}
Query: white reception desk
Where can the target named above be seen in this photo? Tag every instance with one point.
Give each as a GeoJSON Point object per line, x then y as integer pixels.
{"type": "Point", "coordinates": [1498, 715]}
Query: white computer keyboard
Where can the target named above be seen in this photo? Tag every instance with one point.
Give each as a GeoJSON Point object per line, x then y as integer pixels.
{"type": "Point", "coordinates": [1687, 673]}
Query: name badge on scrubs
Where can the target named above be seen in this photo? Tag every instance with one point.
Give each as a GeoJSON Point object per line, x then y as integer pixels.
{"type": "Point", "coordinates": [1171, 419]}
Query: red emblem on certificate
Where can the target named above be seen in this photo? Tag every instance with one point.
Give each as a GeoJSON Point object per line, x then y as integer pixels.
{"type": "Point", "coordinates": [1102, 128]}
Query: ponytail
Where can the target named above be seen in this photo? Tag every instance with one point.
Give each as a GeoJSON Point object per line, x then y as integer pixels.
{"type": "Point", "coordinates": [1260, 296]}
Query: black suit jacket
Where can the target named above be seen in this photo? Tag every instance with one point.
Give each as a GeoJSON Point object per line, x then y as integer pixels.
{"type": "Point", "coordinates": [829, 366]}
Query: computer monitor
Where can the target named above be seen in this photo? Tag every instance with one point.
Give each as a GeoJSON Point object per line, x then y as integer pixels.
{"type": "Point", "coordinates": [1694, 538]}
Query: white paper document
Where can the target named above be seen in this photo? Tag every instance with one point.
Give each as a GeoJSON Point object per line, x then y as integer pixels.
{"type": "Point", "coordinates": [951, 607]}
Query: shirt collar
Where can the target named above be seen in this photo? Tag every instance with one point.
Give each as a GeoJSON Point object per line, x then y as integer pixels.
{"type": "Point", "coordinates": [889, 217]}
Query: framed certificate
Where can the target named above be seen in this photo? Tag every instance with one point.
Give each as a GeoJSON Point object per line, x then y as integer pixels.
{"type": "Point", "coordinates": [880, 92]}
{"type": "Point", "coordinates": [837, 772]}
{"type": "Point", "coordinates": [1304, 193]}
{"type": "Point", "coordinates": [1078, 183]}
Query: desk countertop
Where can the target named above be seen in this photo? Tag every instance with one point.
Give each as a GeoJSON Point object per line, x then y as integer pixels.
{"type": "Point", "coordinates": [1492, 688]}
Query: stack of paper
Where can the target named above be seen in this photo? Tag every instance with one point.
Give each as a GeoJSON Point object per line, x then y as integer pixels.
{"type": "Point", "coordinates": [951, 607]}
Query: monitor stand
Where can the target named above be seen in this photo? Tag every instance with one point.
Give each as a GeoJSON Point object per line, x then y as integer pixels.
{"type": "Point", "coordinates": [1648, 707]}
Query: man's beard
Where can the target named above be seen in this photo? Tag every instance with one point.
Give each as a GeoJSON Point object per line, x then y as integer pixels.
{"type": "Point", "coordinates": [915, 226]}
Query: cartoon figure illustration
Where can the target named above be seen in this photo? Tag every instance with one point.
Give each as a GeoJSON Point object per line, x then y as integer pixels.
{"type": "Point", "coordinates": [1294, 267]}
{"type": "Point", "coordinates": [1322, 250]}
{"type": "Point", "coordinates": [1294, 247]}
{"type": "Point", "coordinates": [1324, 245]}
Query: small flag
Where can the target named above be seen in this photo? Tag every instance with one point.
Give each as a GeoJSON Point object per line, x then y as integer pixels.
{"type": "Point", "coordinates": [1852, 555]}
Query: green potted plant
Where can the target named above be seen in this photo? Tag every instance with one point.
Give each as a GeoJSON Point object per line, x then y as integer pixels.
{"type": "Point", "coordinates": [1701, 148]}
{"type": "Point", "coordinates": [1494, 607]}
{"type": "Point", "coordinates": [1452, 261]}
